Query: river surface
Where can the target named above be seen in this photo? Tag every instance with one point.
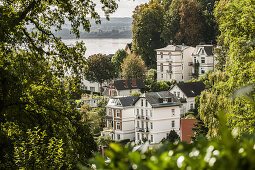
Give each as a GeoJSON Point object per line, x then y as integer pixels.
{"type": "Point", "coordinates": [104, 46]}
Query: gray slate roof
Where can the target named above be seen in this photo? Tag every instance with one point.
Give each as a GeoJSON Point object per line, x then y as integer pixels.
{"type": "Point", "coordinates": [128, 101]}
{"type": "Point", "coordinates": [192, 89]}
{"type": "Point", "coordinates": [173, 48]}
{"type": "Point", "coordinates": [156, 99]}
{"type": "Point", "coordinates": [120, 84]}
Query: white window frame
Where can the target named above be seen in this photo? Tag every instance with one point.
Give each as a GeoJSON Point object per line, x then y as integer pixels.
{"type": "Point", "coordinates": [173, 112]}
{"type": "Point", "coordinates": [118, 125]}
{"type": "Point", "coordinates": [118, 112]}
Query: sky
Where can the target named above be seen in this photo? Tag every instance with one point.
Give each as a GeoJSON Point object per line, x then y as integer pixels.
{"type": "Point", "coordinates": [126, 7]}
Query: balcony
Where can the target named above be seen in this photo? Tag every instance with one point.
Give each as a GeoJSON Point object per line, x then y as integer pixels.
{"type": "Point", "coordinates": [108, 129]}
{"type": "Point", "coordinates": [109, 117]}
{"type": "Point", "coordinates": [139, 117]}
{"type": "Point", "coordinates": [169, 71]}
{"type": "Point", "coordinates": [190, 63]}
{"type": "Point", "coordinates": [145, 130]}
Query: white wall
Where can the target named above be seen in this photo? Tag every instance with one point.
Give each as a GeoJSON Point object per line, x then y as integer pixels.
{"type": "Point", "coordinates": [127, 92]}
{"type": "Point", "coordinates": [185, 106]}
{"type": "Point", "coordinates": [161, 120]}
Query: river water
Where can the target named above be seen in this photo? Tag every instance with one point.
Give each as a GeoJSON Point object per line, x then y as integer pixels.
{"type": "Point", "coordinates": [104, 46]}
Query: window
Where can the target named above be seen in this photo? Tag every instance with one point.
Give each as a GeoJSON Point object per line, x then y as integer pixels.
{"type": "Point", "coordinates": [151, 113]}
{"type": "Point", "coordinates": [146, 103]}
{"type": "Point", "coordinates": [92, 89]}
{"type": "Point", "coordinates": [161, 67]}
{"type": "Point", "coordinates": [161, 54]}
{"type": "Point", "coordinates": [142, 125]}
{"type": "Point", "coordinates": [151, 138]}
{"type": "Point", "coordinates": [146, 113]}
{"type": "Point", "coordinates": [147, 125]}
{"type": "Point", "coordinates": [151, 125]}
{"type": "Point", "coordinates": [195, 60]}
{"type": "Point", "coordinates": [182, 76]}
{"type": "Point", "coordinates": [137, 111]}
{"type": "Point", "coordinates": [117, 113]}
{"type": "Point", "coordinates": [142, 102]}
{"type": "Point", "coordinates": [118, 125]}
{"type": "Point", "coordinates": [202, 59]}
{"type": "Point", "coordinates": [173, 112]}
{"type": "Point", "coordinates": [173, 123]}
{"type": "Point", "coordinates": [110, 112]}
{"type": "Point", "coordinates": [178, 94]}
{"type": "Point", "coordinates": [191, 106]}
{"type": "Point", "coordinates": [182, 66]}
{"type": "Point", "coordinates": [202, 71]}
{"type": "Point", "coordinates": [118, 137]}
{"type": "Point", "coordinates": [138, 124]}
{"type": "Point", "coordinates": [165, 100]}
{"type": "Point", "coordinates": [142, 112]}
{"type": "Point", "coordinates": [170, 67]}
{"type": "Point", "coordinates": [162, 76]}
{"type": "Point", "coordinates": [138, 136]}
{"type": "Point", "coordinates": [175, 93]}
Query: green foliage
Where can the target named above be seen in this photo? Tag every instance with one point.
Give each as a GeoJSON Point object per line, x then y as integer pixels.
{"type": "Point", "coordinates": [159, 86]}
{"type": "Point", "coordinates": [44, 152]}
{"type": "Point", "coordinates": [135, 94]}
{"type": "Point", "coordinates": [151, 77]}
{"type": "Point", "coordinates": [200, 130]}
{"type": "Point", "coordinates": [133, 67]}
{"type": "Point", "coordinates": [236, 23]}
{"type": "Point", "coordinates": [118, 58]}
{"type": "Point", "coordinates": [147, 26]}
{"type": "Point", "coordinates": [37, 120]}
{"type": "Point", "coordinates": [99, 68]}
{"type": "Point", "coordinates": [171, 137]}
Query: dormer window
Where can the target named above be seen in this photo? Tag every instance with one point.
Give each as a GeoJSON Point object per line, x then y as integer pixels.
{"type": "Point", "coordinates": [142, 102]}
{"type": "Point", "coordinates": [161, 54]}
{"type": "Point", "coordinates": [202, 59]}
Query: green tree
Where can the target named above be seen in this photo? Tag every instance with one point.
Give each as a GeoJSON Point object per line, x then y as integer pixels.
{"type": "Point", "coordinates": [171, 23]}
{"type": "Point", "coordinates": [33, 84]}
{"type": "Point", "coordinates": [133, 67]}
{"type": "Point", "coordinates": [99, 69]}
{"type": "Point", "coordinates": [191, 30]}
{"type": "Point", "coordinates": [159, 86]}
{"type": "Point", "coordinates": [147, 27]}
{"type": "Point", "coordinates": [171, 137]}
{"type": "Point", "coordinates": [200, 130]}
{"type": "Point", "coordinates": [235, 20]}
{"type": "Point", "coordinates": [118, 58]}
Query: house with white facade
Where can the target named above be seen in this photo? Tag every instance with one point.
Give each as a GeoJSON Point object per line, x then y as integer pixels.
{"type": "Point", "coordinates": [173, 63]}
{"type": "Point", "coordinates": [186, 93]}
{"type": "Point", "coordinates": [124, 87]}
{"type": "Point", "coordinates": [120, 118]}
{"type": "Point", "coordinates": [203, 60]}
{"type": "Point", "coordinates": [156, 114]}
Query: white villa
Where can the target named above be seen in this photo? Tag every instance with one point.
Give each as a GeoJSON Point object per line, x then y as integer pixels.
{"type": "Point", "coordinates": [203, 60]}
{"type": "Point", "coordinates": [173, 63]}
{"type": "Point", "coordinates": [157, 113]}
{"type": "Point", "coordinates": [120, 118]}
{"type": "Point", "coordinates": [182, 63]}
{"type": "Point", "coordinates": [186, 93]}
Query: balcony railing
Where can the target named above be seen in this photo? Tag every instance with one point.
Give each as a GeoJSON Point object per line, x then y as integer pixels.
{"type": "Point", "coordinates": [169, 71]}
{"type": "Point", "coordinates": [146, 130]}
{"type": "Point", "coordinates": [108, 129]}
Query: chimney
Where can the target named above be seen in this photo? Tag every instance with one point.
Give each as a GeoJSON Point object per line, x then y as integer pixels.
{"type": "Point", "coordinates": [133, 82]}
